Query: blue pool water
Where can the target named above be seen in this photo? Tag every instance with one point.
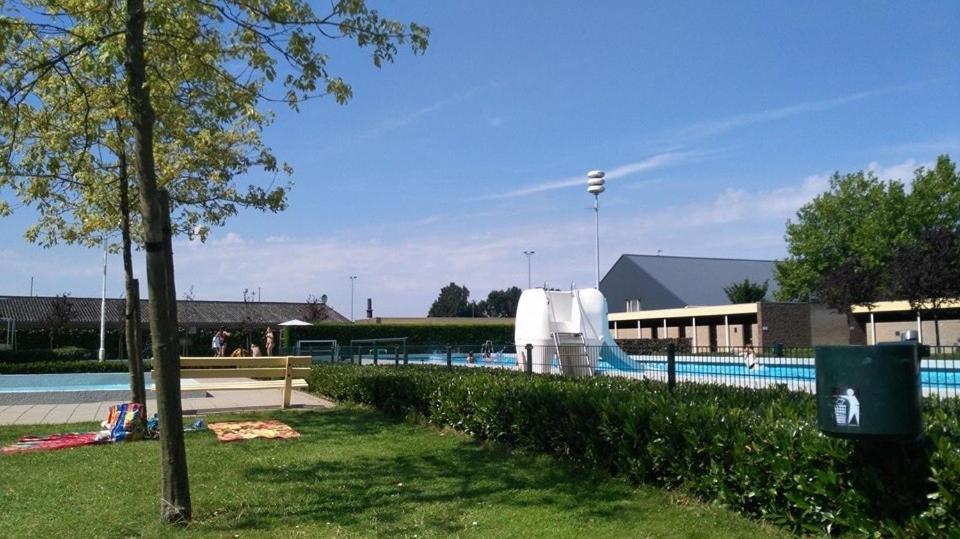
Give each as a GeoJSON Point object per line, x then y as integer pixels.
{"type": "Point", "coordinates": [931, 377]}
{"type": "Point", "coordinates": [37, 383]}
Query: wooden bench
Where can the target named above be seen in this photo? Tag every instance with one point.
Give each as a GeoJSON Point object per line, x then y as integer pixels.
{"type": "Point", "coordinates": [275, 372]}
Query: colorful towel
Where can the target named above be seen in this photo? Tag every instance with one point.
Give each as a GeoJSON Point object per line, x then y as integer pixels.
{"type": "Point", "coordinates": [124, 422]}
{"type": "Point", "coordinates": [247, 430]}
{"type": "Point", "coordinates": [51, 442]}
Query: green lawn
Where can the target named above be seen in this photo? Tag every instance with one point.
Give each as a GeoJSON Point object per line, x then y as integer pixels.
{"type": "Point", "coordinates": [352, 474]}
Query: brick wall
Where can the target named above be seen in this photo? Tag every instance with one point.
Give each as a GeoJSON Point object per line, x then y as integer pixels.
{"type": "Point", "coordinates": [785, 323]}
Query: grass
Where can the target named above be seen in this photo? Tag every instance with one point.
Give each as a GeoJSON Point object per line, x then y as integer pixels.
{"type": "Point", "coordinates": [352, 473]}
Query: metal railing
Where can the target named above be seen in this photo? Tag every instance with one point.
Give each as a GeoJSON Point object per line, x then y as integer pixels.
{"type": "Point", "coordinates": [791, 367]}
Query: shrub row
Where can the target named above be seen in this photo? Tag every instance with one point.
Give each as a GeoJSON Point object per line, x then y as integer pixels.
{"type": "Point", "coordinates": [416, 334]}
{"type": "Point", "coordinates": [755, 451]}
{"type": "Point", "coordinates": [66, 353]}
{"type": "Point", "coordinates": [52, 367]}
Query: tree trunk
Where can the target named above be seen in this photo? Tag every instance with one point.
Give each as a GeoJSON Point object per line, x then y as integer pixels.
{"type": "Point", "coordinates": [131, 319]}
{"type": "Point", "coordinates": [175, 504]}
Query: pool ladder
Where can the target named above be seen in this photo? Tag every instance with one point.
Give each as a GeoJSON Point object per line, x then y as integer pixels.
{"type": "Point", "coordinates": [572, 354]}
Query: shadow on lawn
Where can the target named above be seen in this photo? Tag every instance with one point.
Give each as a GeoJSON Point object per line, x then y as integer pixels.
{"type": "Point", "coordinates": [457, 476]}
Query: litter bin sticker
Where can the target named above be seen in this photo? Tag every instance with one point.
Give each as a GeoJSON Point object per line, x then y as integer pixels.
{"type": "Point", "coordinates": [846, 408]}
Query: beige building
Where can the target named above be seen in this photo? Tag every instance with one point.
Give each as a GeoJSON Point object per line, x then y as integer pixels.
{"type": "Point", "coordinates": [719, 326]}
{"type": "Point", "coordinates": [886, 321]}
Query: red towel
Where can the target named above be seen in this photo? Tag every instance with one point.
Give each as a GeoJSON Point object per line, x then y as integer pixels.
{"type": "Point", "coordinates": [51, 442]}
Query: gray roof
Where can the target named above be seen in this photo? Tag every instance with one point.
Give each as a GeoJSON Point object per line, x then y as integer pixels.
{"type": "Point", "coordinates": [664, 282]}
{"type": "Point", "coordinates": [34, 311]}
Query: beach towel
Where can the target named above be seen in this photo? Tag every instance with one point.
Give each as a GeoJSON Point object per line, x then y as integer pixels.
{"type": "Point", "coordinates": [51, 442]}
{"type": "Point", "coordinates": [232, 431]}
{"type": "Point", "coordinates": [124, 422]}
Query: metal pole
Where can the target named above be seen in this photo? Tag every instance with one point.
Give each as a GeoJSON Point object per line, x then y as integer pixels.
{"type": "Point", "coordinates": [103, 306]}
{"type": "Point", "coordinates": [352, 279]}
{"type": "Point", "coordinates": [671, 365]}
{"type": "Point", "coordinates": [529, 255]}
{"type": "Point", "coordinates": [596, 214]}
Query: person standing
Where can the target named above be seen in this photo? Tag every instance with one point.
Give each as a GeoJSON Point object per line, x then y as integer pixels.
{"type": "Point", "coordinates": [268, 341]}
{"type": "Point", "coordinates": [220, 342]}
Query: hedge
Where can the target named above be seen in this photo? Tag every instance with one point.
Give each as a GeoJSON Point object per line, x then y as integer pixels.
{"type": "Point", "coordinates": [755, 451]}
{"type": "Point", "coordinates": [198, 344]}
{"type": "Point", "coordinates": [52, 367]}
{"type": "Point", "coordinates": [66, 353]}
{"type": "Point", "coordinates": [416, 334]}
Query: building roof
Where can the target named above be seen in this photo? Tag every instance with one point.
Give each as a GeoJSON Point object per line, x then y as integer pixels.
{"type": "Point", "coordinates": [35, 311]}
{"type": "Point", "coordinates": [662, 282]}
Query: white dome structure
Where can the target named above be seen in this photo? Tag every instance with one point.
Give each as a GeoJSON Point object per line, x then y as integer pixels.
{"type": "Point", "coordinates": [569, 329]}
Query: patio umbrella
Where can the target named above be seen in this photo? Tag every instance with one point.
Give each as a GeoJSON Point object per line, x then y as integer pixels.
{"type": "Point", "coordinates": [292, 324]}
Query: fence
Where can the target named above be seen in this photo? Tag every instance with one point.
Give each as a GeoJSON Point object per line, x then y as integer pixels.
{"type": "Point", "coordinates": [751, 368]}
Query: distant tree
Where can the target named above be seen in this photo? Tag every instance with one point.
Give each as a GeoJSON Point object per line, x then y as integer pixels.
{"type": "Point", "coordinates": [850, 283]}
{"type": "Point", "coordinates": [859, 217]}
{"type": "Point", "coordinates": [454, 300]}
{"type": "Point", "coordinates": [927, 273]}
{"type": "Point", "coordinates": [747, 291]}
{"type": "Point", "coordinates": [315, 309]}
{"type": "Point", "coordinates": [500, 303]}
{"type": "Point", "coordinates": [59, 315]}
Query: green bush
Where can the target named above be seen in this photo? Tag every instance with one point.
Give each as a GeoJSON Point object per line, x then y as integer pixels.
{"type": "Point", "coordinates": [26, 356]}
{"type": "Point", "coordinates": [416, 334]}
{"type": "Point", "coordinates": [65, 353]}
{"type": "Point", "coordinates": [755, 451]}
{"type": "Point", "coordinates": [53, 367]}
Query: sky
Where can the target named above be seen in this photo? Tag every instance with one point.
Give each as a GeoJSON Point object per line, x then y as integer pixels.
{"type": "Point", "coordinates": [714, 123]}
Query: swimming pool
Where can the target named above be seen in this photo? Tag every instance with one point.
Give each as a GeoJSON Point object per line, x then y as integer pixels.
{"type": "Point", "coordinates": [45, 383]}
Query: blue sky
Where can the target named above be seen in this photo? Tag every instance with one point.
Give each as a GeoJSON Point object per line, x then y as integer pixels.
{"type": "Point", "coordinates": [714, 123]}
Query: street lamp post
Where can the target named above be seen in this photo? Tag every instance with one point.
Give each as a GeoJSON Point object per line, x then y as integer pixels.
{"type": "Point", "coordinates": [595, 187]}
{"type": "Point", "coordinates": [352, 279]}
{"type": "Point", "coordinates": [529, 254]}
{"type": "Point", "coordinates": [103, 307]}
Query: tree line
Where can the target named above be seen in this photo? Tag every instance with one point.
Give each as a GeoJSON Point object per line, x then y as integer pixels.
{"type": "Point", "coordinates": [865, 240]}
{"type": "Point", "coordinates": [454, 301]}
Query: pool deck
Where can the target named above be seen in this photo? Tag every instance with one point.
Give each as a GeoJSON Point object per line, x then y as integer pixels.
{"type": "Point", "coordinates": [233, 400]}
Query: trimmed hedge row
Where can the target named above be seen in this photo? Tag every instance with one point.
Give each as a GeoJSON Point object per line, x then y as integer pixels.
{"type": "Point", "coordinates": [53, 367]}
{"type": "Point", "coordinates": [416, 334]}
{"type": "Point", "coordinates": [755, 451]}
{"type": "Point", "coordinates": [198, 344]}
{"type": "Point", "coordinates": [66, 353]}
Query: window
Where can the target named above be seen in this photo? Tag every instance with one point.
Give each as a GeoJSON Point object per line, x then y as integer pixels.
{"type": "Point", "coordinates": [633, 305]}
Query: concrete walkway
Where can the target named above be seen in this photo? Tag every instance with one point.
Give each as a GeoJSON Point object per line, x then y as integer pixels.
{"type": "Point", "coordinates": [216, 401]}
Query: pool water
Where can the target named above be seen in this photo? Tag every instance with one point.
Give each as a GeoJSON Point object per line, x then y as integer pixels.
{"type": "Point", "coordinates": [771, 371]}
{"type": "Point", "coordinates": [39, 383]}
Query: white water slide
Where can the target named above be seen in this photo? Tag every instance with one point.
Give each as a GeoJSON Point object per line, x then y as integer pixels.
{"type": "Point", "coordinates": [571, 327]}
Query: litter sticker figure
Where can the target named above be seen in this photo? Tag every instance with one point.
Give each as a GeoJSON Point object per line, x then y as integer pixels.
{"type": "Point", "coordinates": [846, 409]}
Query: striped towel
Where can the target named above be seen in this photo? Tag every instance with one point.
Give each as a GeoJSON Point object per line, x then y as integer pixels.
{"type": "Point", "coordinates": [124, 422]}
{"type": "Point", "coordinates": [51, 442]}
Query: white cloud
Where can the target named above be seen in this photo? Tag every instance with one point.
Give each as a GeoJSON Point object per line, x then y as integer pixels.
{"type": "Point", "coordinates": [651, 163]}
{"type": "Point", "coordinates": [496, 121]}
{"type": "Point", "coordinates": [901, 171]}
{"type": "Point", "coordinates": [715, 127]}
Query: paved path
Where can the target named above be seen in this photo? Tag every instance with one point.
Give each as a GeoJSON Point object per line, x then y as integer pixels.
{"type": "Point", "coordinates": [217, 401]}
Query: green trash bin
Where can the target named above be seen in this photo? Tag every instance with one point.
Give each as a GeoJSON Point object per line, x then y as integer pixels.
{"type": "Point", "coordinates": [870, 392]}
